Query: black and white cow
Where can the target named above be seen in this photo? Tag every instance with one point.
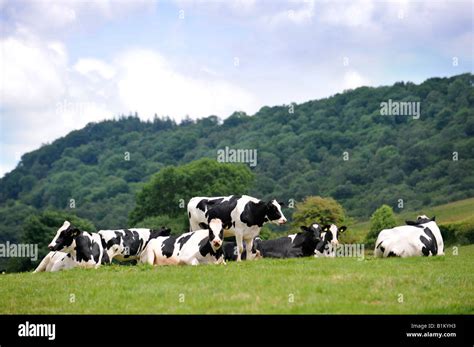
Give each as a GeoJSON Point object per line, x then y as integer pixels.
{"type": "Point", "coordinates": [419, 238]}
{"type": "Point", "coordinates": [203, 246]}
{"type": "Point", "coordinates": [242, 216]}
{"type": "Point", "coordinates": [85, 249]}
{"type": "Point", "coordinates": [329, 241]}
{"type": "Point", "coordinates": [128, 244]}
{"type": "Point", "coordinates": [55, 261]}
{"type": "Point", "coordinates": [311, 241]}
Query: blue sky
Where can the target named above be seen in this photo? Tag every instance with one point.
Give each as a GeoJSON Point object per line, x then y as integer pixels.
{"type": "Point", "coordinates": [67, 63]}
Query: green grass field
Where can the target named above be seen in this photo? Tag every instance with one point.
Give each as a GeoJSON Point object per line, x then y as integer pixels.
{"type": "Point", "coordinates": [337, 285]}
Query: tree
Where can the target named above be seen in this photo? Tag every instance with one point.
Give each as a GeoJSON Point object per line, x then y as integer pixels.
{"type": "Point", "coordinates": [382, 218]}
{"type": "Point", "coordinates": [169, 190]}
{"type": "Point", "coordinates": [315, 209]}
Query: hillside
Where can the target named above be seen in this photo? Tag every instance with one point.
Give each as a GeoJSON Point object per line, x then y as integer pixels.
{"type": "Point", "coordinates": [300, 153]}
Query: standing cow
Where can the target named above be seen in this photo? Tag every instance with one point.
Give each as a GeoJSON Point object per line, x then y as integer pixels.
{"type": "Point", "coordinates": [242, 217]}
{"type": "Point", "coordinates": [419, 238]}
{"type": "Point", "coordinates": [203, 246]}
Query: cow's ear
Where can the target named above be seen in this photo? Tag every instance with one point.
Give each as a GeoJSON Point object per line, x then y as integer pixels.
{"type": "Point", "coordinates": [304, 228]}
{"type": "Point", "coordinates": [433, 219]}
{"type": "Point", "coordinates": [282, 203]}
{"type": "Point", "coordinates": [342, 229]}
{"type": "Point", "coordinates": [74, 231]}
{"type": "Point", "coordinates": [203, 225]}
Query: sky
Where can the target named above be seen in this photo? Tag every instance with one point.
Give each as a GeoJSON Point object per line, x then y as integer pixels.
{"type": "Point", "coordinates": [64, 64]}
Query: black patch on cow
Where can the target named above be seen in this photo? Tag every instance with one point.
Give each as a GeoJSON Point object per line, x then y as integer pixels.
{"type": "Point", "coordinates": [382, 249]}
{"type": "Point", "coordinates": [114, 240]}
{"type": "Point", "coordinates": [206, 204]}
{"type": "Point", "coordinates": [277, 248]}
{"type": "Point", "coordinates": [65, 238]}
{"type": "Point", "coordinates": [95, 250]}
{"type": "Point", "coordinates": [419, 221]}
{"type": "Point", "coordinates": [105, 257]}
{"type": "Point", "coordinates": [206, 249]}
{"type": "Point", "coordinates": [391, 254]}
{"type": "Point", "coordinates": [254, 213]}
{"type": "Point", "coordinates": [183, 240]}
{"type": "Point", "coordinates": [222, 210]}
{"type": "Point", "coordinates": [132, 243]}
{"type": "Point", "coordinates": [429, 245]}
{"type": "Point", "coordinates": [84, 248]}
{"type": "Point", "coordinates": [167, 247]}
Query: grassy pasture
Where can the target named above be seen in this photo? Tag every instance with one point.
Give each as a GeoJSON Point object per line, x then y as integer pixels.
{"type": "Point", "coordinates": [305, 285]}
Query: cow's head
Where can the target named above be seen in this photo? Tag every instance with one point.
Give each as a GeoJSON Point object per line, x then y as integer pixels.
{"type": "Point", "coordinates": [216, 233]}
{"type": "Point", "coordinates": [313, 232]}
{"type": "Point", "coordinates": [421, 220]}
{"type": "Point", "coordinates": [331, 233]}
{"type": "Point", "coordinates": [274, 213]}
{"type": "Point", "coordinates": [64, 239]}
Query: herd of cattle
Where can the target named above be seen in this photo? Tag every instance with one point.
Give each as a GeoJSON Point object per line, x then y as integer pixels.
{"type": "Point", "coordinates": [213, 219]}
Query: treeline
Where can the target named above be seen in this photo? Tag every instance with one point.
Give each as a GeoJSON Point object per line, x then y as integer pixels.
{"type": "Point", "coordinates": [301, 150]}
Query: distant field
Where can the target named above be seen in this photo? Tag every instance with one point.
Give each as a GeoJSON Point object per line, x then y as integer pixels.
{"type": "Point", "coordinates": [338, 285]}
{"type": "Point", "coordinates": [457, 211]}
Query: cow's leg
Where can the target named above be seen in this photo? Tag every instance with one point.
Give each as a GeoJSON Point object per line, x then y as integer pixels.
{"type": "Point", "coordinates": [44, 263]}
{"type": "Point", "coordinates": [248, 247]}
{"type": "Point", "coordinates": [240, 247]}
{"type": "Point", "coordinates": [148, 256]}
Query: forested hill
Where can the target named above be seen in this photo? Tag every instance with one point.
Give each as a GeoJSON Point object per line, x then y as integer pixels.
{"type": "Point", "coordinates": [300, 153]}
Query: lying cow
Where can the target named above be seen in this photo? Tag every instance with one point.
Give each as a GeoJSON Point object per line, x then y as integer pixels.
{"type": "Point", "coordinates": [326, 247]}
{"type": "Point", "coordinates": [203, 246]}
{"type": "Point", "coordinates": [83, 248]}
{"type": "Point", "coordinates": [419, 238]}
{"type": "Point", "coordinates": [313, 240]}
{"type": "Point", "coordinates": [242, 216]}
{"type": "Point", "coordinates": [128, 244]}
{"type": "Point", "coordinates": [72, 247]}
{"type": "Point", "coordinates": [56, 261]}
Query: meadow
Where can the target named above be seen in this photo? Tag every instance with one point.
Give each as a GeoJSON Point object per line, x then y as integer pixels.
{"type": "Point", "coordinates": [294, 286]}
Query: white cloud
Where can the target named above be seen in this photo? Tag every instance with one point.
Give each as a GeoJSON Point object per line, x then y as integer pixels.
{"type": "Point", "coordinates": [50, 96]}
{"type": "Point", "coordinates": [352, 79]}
{"type": "Point", "coordinates": [91, 67]}
{"type": "Point", "coordinates": [147, 83]}
{"type": "Point", "coordinates": [49, 16]}
{"type": "Point", "coordinates": [33, 72]}
{"type": "Point", "coordinates": [296, 12]}
{"type": "Point", "coordinates": [347, 13]}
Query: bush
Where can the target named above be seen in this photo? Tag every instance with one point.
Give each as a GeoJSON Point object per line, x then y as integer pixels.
{"type": "Point", "coordinates": [315, 209]}
{"type": "Point", "coordinates": [383, 218]}
{"type": "Point", "coordinates": [461, 233]}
